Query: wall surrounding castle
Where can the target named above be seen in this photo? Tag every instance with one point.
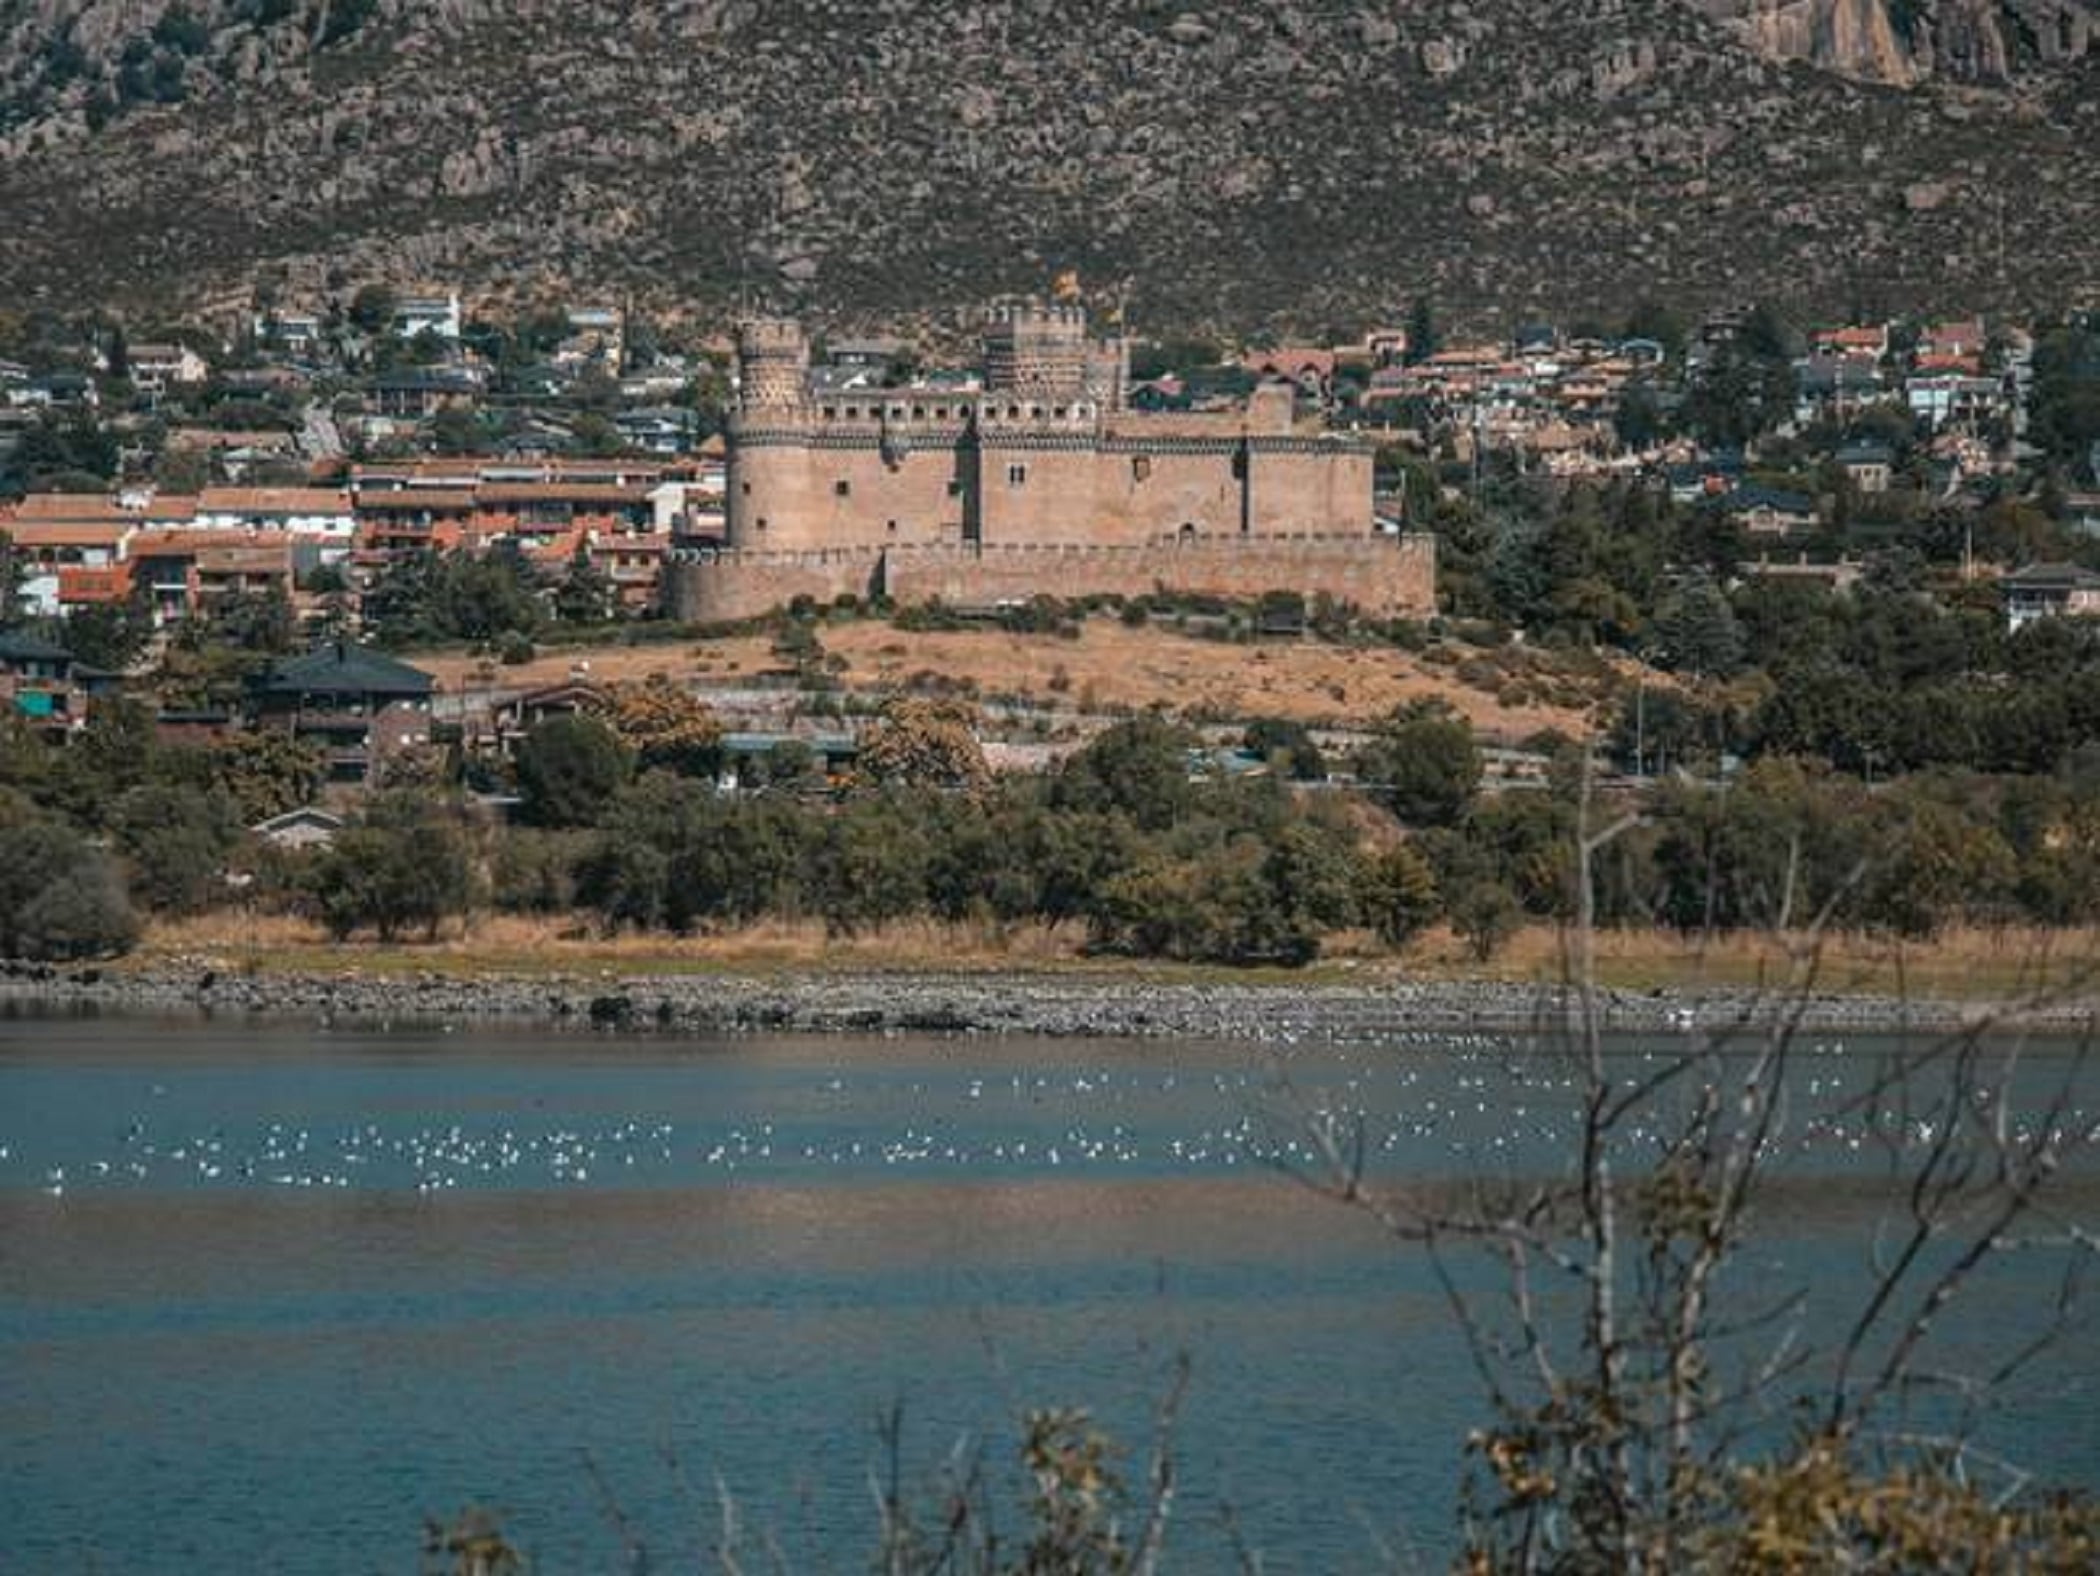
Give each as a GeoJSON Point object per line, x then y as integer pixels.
{"type": "Point", "coordinates": [1393, 576]}
{"type": "Point", "coordinates": [729, 586]}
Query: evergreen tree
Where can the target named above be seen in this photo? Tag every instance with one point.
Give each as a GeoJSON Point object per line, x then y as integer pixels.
{"type": "Point", "coordinates": [1696, 632]}
{"type": "Point", "coordinates": [584, 596]}
{"type": "Point", "coordinates": [1422, 339]}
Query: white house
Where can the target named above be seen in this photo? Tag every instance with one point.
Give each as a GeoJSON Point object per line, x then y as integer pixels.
{"type": "Point", "coordinates": [323, 512]}
{"type": "Point", "coordinates": [2049, 591]}
{"type": "Point", "coordinates": [156, 368]}
{"type": "Point", "coordinates": [439, 315]}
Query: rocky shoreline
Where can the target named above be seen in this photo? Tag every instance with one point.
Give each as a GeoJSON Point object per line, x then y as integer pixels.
{"type": "Point", "coordinates": [817, 1002]}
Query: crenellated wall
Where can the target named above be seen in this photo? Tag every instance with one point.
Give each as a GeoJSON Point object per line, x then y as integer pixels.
{"type": "Point", "coordinates": [1393, 576]}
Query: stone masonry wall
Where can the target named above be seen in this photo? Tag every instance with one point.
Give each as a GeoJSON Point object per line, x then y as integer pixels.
{"type": "Point", "coordinates": [725, 587]}
{"type": "Point", "coordinates": [1394, 576]}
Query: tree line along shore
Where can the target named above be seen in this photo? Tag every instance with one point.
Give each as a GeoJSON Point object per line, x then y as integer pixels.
{"type": "Point", "coordinates": [1145, 844]}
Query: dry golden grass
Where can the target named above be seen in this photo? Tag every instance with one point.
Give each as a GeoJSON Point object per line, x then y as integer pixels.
{"type": "Point", "coordinates": [610, 664]}
{"type": "Point", "coordinates": [1958, 965]}
{"type": "Point", "coordinates": [1110, 664]}
{"type": "Point", "coordinates": [1968, 965]}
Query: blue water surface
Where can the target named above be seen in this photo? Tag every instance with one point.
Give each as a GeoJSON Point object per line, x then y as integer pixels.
{"type": "Point", "coordinates": [270, 1294]}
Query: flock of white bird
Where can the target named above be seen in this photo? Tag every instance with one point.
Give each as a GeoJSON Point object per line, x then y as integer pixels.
{"type": "Point", "coordinates": [1435, 1105]}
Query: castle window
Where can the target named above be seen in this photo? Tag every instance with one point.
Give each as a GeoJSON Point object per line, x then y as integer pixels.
{"type": "Point", "coordinates": [893, 527]}
{"type": "Point", "coordinates": [761, 522]}
{"type": "Point", "coordinates": [831, 412]}
{"type": "Point", "coordinates": [842, 487]}
{"type": "Point", "coordinates": [955, 489]}
{"type": "Point", "coordinates": [1140, 467]}
{"type": "Point", "coordinates": [1058, 411]}
{"type": "Point", "coordinates": [747, 489]}
{"type": "Point", "coordinates": [918, 413]}
{"type": "Point", "coordinates": [853, 412]}
{"type": "Point", "coordinates": [1017, 476]}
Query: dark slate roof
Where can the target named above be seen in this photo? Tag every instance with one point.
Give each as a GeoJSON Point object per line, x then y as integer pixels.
{"type": "Point", "coordinates": [18, 645]}
{"type": "Point", "coordinates": [2043, 577]}
{"type": "Point", "coordinates": [344, 669]}
{"type": "Point", "coordinates": [1751, 495]}
{"type": "Point", "coordinates": [1866, 453]}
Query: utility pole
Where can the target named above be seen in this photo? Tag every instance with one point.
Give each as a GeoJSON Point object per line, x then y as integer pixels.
{"type": "Point", "coordinates": [1640, 724]}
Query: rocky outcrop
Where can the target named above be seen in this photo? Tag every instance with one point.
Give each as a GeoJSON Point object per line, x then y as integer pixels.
{"type": "Point", "coordinates": [1902, 44]}
{"type": "Point", "coordinates": [1259, 165]}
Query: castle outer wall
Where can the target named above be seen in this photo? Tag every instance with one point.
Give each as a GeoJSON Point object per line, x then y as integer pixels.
{"type": "Point", "coordinates": [1388, 576]}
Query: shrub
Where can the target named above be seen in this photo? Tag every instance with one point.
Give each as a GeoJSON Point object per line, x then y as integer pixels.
{"type": "Point", "coordinates": [1424, 766]}
{"type": "Point", "coordinates": [406, 866]}
{"type": "Point", "coordinates": [569, 769]}
{"type": "Point", "coordinates": [60, 899]}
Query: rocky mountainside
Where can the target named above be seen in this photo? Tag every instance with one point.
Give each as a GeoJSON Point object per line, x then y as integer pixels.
{"type": "Point", "coordinates": [1903, 42]}
{"type": "Point", "coordinates": [1290, 163]}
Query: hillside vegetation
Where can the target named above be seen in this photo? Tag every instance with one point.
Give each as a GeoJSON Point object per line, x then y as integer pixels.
{"type": "Point", "coordinates": [1246, 163]}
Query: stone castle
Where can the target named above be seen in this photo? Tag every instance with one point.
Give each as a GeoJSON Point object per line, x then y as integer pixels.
{"type": "Point", "coordinates": [1040, 482]}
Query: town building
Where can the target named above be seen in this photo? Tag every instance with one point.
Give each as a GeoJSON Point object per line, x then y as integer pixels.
{"type": "Point", "coordinates": [437, 315]}
{"type": "Point", "coordinates": [1040, 482]}
{"type": "Point", "coordinates": [38, 682]}
{"type": "Point", "coordinates": [154, 369]}
{"type": "Point", "coordinates": [1868, 466]}
{"type": "Point", "coordinates": [2049, 591]}
{"type": "Point", "coordinates": [357, 705]}
{"type": "Point", "coordinates": [1770, 511]}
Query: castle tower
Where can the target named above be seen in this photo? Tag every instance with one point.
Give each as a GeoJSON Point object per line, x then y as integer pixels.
{"type": "Point", "coordinates": [772, 355]}
{"type": "Point", "coordinates": [1108, 374]}
{"type": "Point", "coordinates": [1038, 352]}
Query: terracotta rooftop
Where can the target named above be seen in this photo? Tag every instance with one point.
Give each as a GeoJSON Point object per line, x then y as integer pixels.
{"type": "Point", "coordinates": [273, 500]}
{"type": "Point", "coordinates": [72, 508]}
{"type": "Point", "coordinates": [68, 533]}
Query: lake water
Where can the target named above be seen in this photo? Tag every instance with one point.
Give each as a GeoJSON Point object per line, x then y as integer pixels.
{"type": "Point", "coordinates": [270, 1295]}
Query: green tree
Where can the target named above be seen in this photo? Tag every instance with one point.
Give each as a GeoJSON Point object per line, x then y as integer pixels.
{"type": "Point", "coordinates": [67, 451]}
{"type": "Point", "coordinates": [1423, 765]}
{"type": "Point", "coordinates": [1423, 340]}
{"type": "Point", "coordinates": [372, 309]}
{"type": "Point", "coordinates": [175, 841]}
{"type": "Point", "coordinates": [60, 899]}
{"type": "Point", "coordinates": [458, 430]}
{"type": "Point", "coordinates": [1139, 769]}
{"type": "Point", "coordinates": [406, 866]}
{"type": "Point", "coordinates": [584, 596]}
{"type": "Point", "coordinates": [872, 865]}
{"type": "Point", "coordinates": [112, 636]}
{"type": "Point", "coordinates": [1696, 631]}
{"type": "Point", "coordinates": [570, 769]}
{"type": "Point", "coordinates": [1398, 894]}
{"type": "Point", "coordinates": [265, 773]}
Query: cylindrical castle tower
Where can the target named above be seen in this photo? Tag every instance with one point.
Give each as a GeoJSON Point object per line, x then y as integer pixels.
{"type": "Point", "coordinates": [772, 358]}
{"type": "Point", "coordinates": [768, 451]}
